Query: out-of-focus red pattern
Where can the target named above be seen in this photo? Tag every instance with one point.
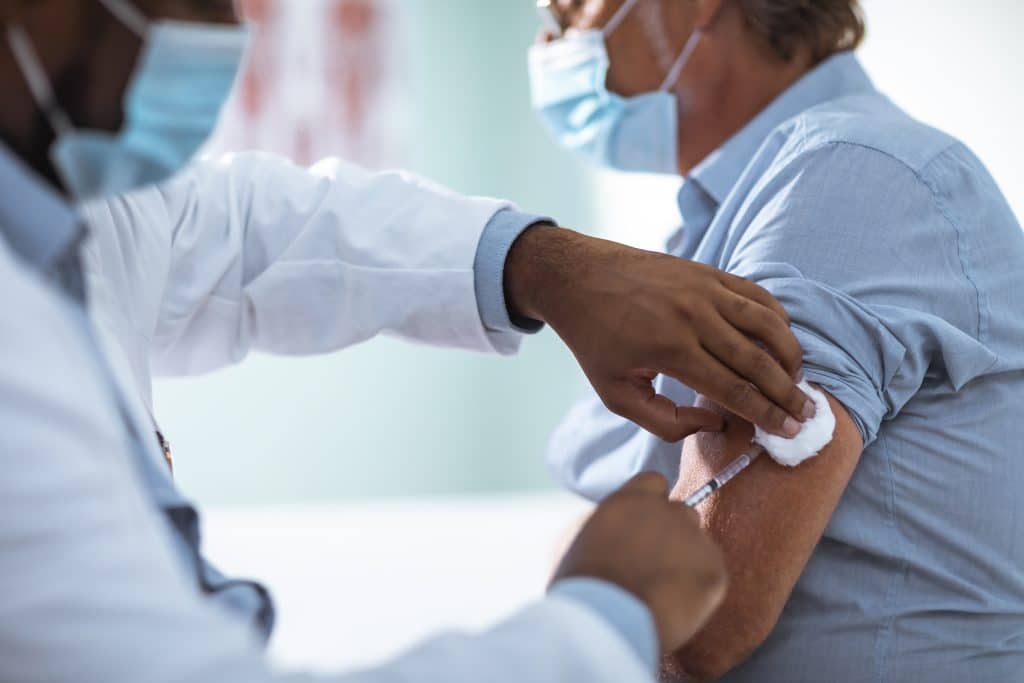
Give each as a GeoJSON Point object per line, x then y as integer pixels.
{"type": "Point", "coordinates": [321, 80]}
{"type": "Point", "coordinates": [260, 72]}
{"type": "Point", "coordinates": [353, 61]}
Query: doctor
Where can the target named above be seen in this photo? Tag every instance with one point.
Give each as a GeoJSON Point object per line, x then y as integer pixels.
{"type": "Point", "coordinates": [99, 553]}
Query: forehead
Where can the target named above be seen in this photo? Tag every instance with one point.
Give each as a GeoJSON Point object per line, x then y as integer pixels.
{"type": "Point", "coordinates": [215, 11]}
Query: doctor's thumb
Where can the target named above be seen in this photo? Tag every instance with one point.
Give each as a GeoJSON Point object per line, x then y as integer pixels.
{"type": "Point", "coordinates": [650, 483]}
{"type": "Point", "coordinates": [660, 415]}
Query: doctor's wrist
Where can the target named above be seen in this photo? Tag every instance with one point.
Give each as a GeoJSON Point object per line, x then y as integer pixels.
{"type": "Point", "coordinates": [536, 270]}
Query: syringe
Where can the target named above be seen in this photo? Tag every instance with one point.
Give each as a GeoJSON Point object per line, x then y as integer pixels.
{"type": "Point", "coordinates": [722, 478]}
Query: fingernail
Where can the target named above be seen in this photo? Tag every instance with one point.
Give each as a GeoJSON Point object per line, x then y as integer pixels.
{"type": "Point", "coordinates": [810, 410]}
{"type": "Point", "coordinates": [790, 427]}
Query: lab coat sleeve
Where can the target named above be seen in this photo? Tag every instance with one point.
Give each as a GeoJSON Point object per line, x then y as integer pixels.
{"type": "Point", "coordinates": [250, 252]}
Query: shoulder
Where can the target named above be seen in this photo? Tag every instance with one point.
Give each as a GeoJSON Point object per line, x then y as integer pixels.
{"type": "Point", "coordinates": [883, 153]}
{"type": "Point", "coordinates": [856, 165]}
{"type": "Point", "coordinates": [859, 196]}
{"type": "Point", "coordinates": [860, 165]}
{"type": "Point", "coordinates": [865, 164]}
{"type": "Point", "coordinates": [846, 198]}
{"type": "Point", "coordinates": [868, 124]}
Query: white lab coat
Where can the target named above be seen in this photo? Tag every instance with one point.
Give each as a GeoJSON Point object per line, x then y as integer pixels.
{"type": "Point", "coordinates": [251, 253]}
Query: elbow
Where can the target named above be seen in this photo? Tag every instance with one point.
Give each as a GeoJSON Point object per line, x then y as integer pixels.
{"type": "Point", "coordinates": [718, 649]}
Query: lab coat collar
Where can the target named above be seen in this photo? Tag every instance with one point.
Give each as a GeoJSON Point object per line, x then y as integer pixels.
{"type": "Point", "coordinates": [38, 224]}
{"type": "Point", "coordinates": [838, 76]}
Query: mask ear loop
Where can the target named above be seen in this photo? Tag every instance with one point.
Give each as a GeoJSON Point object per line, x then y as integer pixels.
{"type": "Point", "coordinates": [129, 15]}
{"type": "Point", "coordinates": [618, 17]}
{"type": "Point", "coordinates": [37, 79]}
{"type": "Point", "coordinates": [677, 69]}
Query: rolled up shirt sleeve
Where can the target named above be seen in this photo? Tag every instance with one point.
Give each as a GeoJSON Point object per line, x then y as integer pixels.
{"type": "Point", "coordinates": [858, 250]}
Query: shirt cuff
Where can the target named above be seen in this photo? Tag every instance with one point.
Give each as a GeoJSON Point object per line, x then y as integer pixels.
{"type": "Point", "coordinates": [621, 609]}
{"type": "Point", "coordinates": [497, 239]}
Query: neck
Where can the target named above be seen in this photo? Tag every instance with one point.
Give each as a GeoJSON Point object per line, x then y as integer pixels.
{"type": "Point", "coordinates": [734, 88]}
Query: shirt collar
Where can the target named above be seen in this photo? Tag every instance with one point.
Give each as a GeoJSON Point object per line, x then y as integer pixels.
{"type": "Point", "coordinates": [38, 223]}
{"type": "Point", "coordinates": [838, 76]}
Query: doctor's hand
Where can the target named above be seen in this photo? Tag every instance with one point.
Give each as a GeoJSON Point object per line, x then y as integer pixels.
{"type": "Point", "coordinates": [629, 315]}
{"type": "Point", "coordinates": [654, 548]}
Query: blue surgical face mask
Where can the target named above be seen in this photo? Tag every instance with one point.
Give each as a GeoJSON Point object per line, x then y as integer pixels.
{"type": "Point", "coordinates": [185, 73]}
{"type": "Point", "coordinates": [568, 89]}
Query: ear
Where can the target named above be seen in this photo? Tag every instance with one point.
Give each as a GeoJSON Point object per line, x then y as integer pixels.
{"type": "Point", "coordinates": [707, 13]}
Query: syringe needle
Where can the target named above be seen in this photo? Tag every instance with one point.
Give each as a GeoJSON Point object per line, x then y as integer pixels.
{"type": "Point", "coordinates": [724, 477]}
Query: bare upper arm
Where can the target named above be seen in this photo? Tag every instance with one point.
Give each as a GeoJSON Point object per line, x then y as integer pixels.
{"type": "Point", "coordinates": [767, 522]}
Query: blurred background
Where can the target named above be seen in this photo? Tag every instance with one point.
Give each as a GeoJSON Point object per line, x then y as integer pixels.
{"type": "Point", "coordinates": [439, 87]}
{"type": "Point", "coordinates": [390, 454]}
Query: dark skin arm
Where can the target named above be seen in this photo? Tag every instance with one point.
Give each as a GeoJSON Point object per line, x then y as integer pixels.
{"type": "Point", "coordinates": [767, 522]}
{"type": "Point", "coordinates": [628, 315]}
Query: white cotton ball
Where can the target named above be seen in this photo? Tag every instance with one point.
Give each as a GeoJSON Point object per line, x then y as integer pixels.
{"type": "Point", "coordinates": [815, 435]}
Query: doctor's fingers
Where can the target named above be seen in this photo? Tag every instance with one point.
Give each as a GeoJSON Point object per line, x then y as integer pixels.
{"type": "Point", "coordinates": [635, 399]}
{"type": "Point", "coordinates": [769, 324]}
{"type": "Point", "coordinates": [757, 366]}
{"type": "Point", "coordinates": [749, 290]}
{"type": "Point", "coordinates": [722, 385]}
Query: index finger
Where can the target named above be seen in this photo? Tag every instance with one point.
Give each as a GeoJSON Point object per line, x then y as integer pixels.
{"type": "Point", "coordinates": [723, 386]}
{"type": "Point", "coordinates": [756, 366]}
{"type": "Point", "coordinates": [764, 325]}
{"type": "Point", "coordinates": [749, 290]}
{"type": "Point", "coordinates": [771, 323]}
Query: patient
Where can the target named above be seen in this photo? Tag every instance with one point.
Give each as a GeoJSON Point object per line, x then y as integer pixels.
{"type": "Point", "coordinates": [897, 554]}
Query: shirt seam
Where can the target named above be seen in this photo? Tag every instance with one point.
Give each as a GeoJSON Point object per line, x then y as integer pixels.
{"type": "Point", "coordinates": [942, 211]}
{"type": "Point", "coordinates": [883, 637]}
{"type": "Point", "coordinates": [960, 246]}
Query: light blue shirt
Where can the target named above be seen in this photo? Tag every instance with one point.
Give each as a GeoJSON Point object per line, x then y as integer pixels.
{"type": "Point", "coordinates": [902, 267]}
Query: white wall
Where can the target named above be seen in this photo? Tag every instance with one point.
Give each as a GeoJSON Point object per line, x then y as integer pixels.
{"type": "Point", "coordinates": [958, 66]}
